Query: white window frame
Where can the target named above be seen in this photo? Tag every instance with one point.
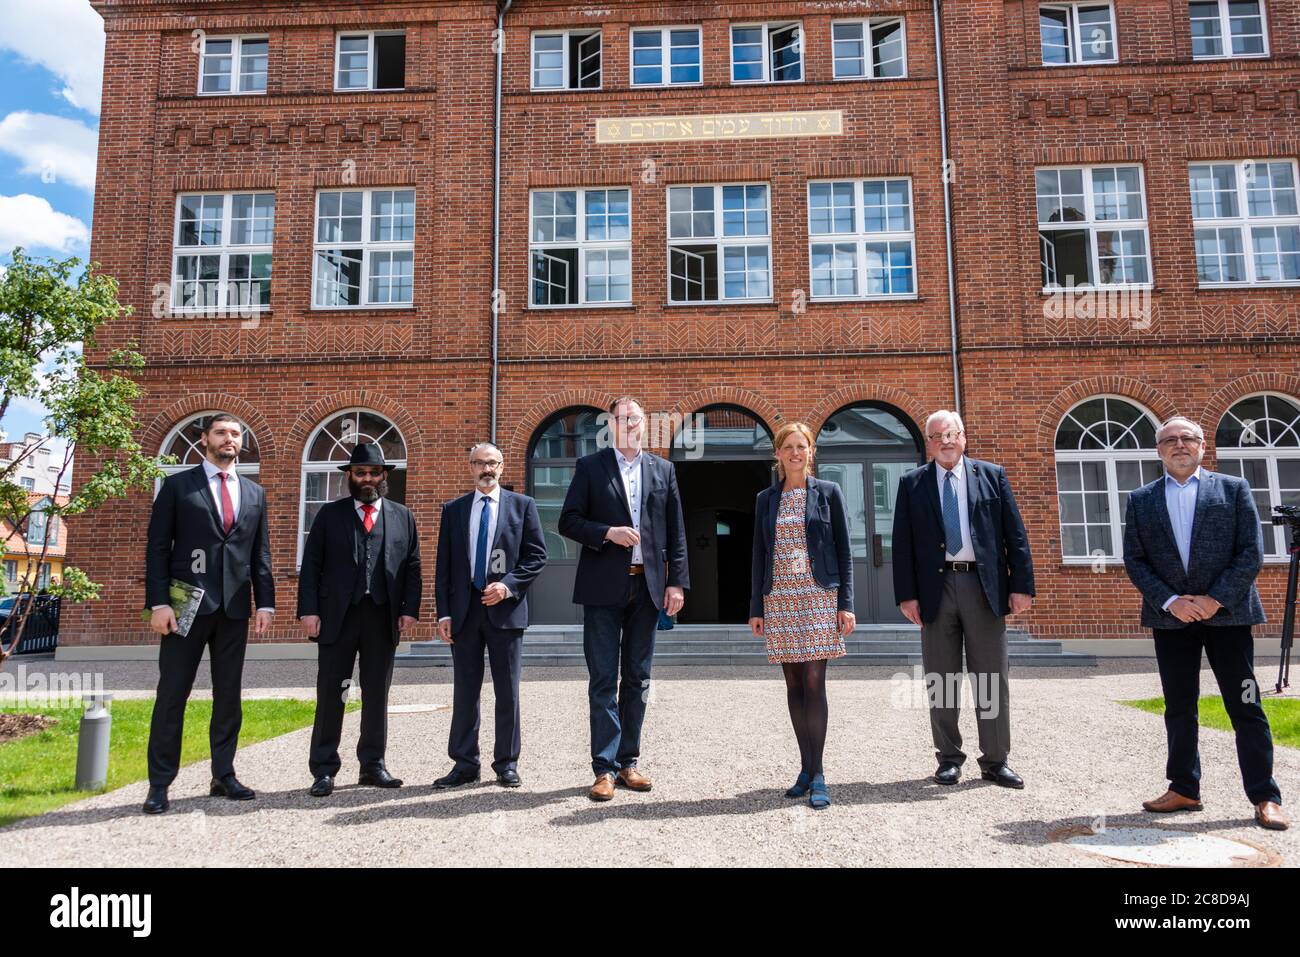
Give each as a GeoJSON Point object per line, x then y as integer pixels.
{"type": "Point", "coordinates": [1269, 454]}
{"type": "Point", "coordinates": [720, 242]}
{"type": "Point", "coordinates": [583, 246]}
{"type": "Point", "coordinates": [1225, 33]}
{"type": "Point", "coordinates": [367, 247]}
{"type": "Point", "coordinates": [1111, 458]}
{"type": "Point", "coordinates": [860, 237]}
{"type": "Point", "coordinates": [236, 64]}
{"type": "Point", "coordinates": [370, 60]}
{"type": "Point", "coordinates": [225, 250]}
{"type": "Point", "coordinates": [1076, 32]}
{"type": "Point", "coordinates": [242, 468]}
{"type": "Point", "coordinates": [665, 45]}
{"type": "Point", "coordinates": [1244, 223]}
{"type": "Point", "coordinates": [867, 24]}
{"type": "Point", "coordinates": [566, 35]}
{"type": "Point", "coordinates": [1094, 225]}
{"type": "Point", "coordinates": [768, 27]}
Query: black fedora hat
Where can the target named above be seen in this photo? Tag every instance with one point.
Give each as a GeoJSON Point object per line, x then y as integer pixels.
{"type": "Point", "coordinates": [366, 453]}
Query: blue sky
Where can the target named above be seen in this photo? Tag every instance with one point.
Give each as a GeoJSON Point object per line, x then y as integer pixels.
{"type": "Point", "coordinates": [51, 67]}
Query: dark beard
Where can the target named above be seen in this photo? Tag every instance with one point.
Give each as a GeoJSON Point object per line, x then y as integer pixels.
{"type": "Point", "coordinates": [367, 493]}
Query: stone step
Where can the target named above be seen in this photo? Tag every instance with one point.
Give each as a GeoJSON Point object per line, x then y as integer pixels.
{"type": "Point", "coordinates": [749, 646]}
{"type": "Point", "coordinates": [1027, 659]}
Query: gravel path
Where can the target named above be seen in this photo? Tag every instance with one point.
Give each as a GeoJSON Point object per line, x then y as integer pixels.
{"type": "Point", "coordinates": [719, 747]}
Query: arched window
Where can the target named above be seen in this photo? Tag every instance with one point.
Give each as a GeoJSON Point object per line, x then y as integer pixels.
{"type": "Point", "coordinates": [723, 432]}
{"type": "Point", "coordinates": [330, 446]}
{"type": "Point", "coordinates": [1258, 439]}
{"type": "Point", "coordinates": [183, 441]}
{"type": "Point", "coordinates": [1105, 448]}
{"type": "Point", "coordinates": [563, 439]}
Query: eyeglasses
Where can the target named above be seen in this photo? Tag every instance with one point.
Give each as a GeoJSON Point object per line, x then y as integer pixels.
{"type": "Point", "coordinates": [1188, 440]}
{"type": "Point", "coordinates": [949, 436]}
{"type": "Point", "coordinates": [485, 465]}
{"type": "Point", "coordinates": [629, 419]}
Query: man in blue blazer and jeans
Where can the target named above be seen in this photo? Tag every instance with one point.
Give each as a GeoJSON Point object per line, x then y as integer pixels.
{"type": "Point", "coordinates": [624, 509]}
{"type": "Point", "coordinates": [490, 551]}
{"type": "Point", "coordinates": [1192, 546]}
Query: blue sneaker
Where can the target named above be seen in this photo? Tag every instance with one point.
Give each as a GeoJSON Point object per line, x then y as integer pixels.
{"type": "Point", "coordinates": [801, 785]}
{"type": "Point", "coordinates": [819, 797]}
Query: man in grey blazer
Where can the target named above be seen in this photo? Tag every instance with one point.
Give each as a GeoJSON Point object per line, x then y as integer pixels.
{"type": "Point", "coordinates": [1192, 546]}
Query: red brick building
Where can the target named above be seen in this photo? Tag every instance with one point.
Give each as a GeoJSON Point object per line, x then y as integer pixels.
{"type": "Point", "coordinates": [729, 209]}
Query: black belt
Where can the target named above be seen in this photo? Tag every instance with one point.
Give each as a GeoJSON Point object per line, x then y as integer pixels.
{"type": "Point", "coordinates": [961, 566]}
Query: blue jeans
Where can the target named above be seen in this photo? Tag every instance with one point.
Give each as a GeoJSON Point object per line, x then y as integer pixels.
{"type": "Point", "coordinates": [609, 632]}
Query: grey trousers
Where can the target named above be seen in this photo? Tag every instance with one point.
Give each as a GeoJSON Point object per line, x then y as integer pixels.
{"type": "Point", "coordinates": [966, 620]}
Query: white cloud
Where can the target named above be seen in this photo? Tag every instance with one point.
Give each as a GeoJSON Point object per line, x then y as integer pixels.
{"type": "Point", "coordinates": [54, 148]}
{"type": "Point", "coordinates": [31, 222]}
{"type": "Point", "coordinates": [64, 36]}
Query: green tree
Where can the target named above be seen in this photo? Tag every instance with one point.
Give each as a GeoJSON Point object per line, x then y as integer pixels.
{"type": "Point", "coordinates": [50, 311]}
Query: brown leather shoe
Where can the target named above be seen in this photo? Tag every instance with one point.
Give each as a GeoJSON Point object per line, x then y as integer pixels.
{"type": "Point", "coordinates": [1172, 801]}
{"type": "Point", "coordinates": [603, 789]}
{"type": "Point", "coordinates": [1269, 814]}
{"type": "Point", "coordinates": [633, 780]}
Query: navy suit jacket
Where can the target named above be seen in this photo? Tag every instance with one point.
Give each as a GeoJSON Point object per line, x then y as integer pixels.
{"type": "Point", "coordinates": [827, 527]}
{"type": "Point", "coordinates": [1226, 553]}
{"type": "Point", "coordinates": [186, 542]}
{"type": "Point", "coordinates": [596, 502]}
{"type": "Point", "coordinates": [997, 532]}
{"type": "Point", "coordinates": [516, 557]}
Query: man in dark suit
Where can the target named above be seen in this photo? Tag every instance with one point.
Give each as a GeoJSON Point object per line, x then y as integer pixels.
{"type": "Point", "coordinates": [207, 528]}
{"type": "Point", "coordinates": [1193, 548]}
{"type": "Point", "coordinates": [490, 550]}
{"type": "Point", "coordinates": [358, 591]}
{"type": "Point", "coordinates": [624, 509]}
{"type": "Point", "coordinates": [961, 565]}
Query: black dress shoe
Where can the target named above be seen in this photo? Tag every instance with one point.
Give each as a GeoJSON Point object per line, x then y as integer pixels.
{"type": "Point", "coordinates": [1004, 777]}
{"type": "Point", "coordinates": [948, 773]}
{"type": "Point", "coordinates": [378, 777]}
{"type": "Point", "coordinates": [455, 779]}
{"type": "Point", "coordinates": [322, 787]}
{"type": "Point", "coordinates": [509, 778]}
{"type": "Point", "coordinates": [156, 802]}
{"type": "Point", "coordinates": [229, 787]}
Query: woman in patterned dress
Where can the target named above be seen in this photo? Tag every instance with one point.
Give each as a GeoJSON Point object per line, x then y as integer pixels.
{"type": "Point", "coordinates": [801, 600]}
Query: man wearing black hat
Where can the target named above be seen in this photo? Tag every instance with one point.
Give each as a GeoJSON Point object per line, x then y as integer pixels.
{"type": "Point", "coordinates": [358, 590]}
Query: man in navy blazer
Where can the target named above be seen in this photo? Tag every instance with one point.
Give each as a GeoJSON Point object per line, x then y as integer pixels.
{"type": "Point", "coordinates": [961, 565]}
{"type": "Point", "coordinates": [1192, 546]}
{"type": "Point", "coordinates": [624, 509]}
{"type": "Point", "coordinates": [490, 550]}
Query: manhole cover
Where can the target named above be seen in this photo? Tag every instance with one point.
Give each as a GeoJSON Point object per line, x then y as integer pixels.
{"type": "Point", "coordinates": [415, 708]}
{"type": "Point", "coordinates": [1163, 847]}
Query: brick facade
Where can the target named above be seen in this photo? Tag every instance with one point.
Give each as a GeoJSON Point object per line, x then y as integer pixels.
{"type": "Point", "coordinates": [427, 368]}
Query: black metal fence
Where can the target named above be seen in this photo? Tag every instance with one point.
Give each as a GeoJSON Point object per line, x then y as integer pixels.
{"type": "Point", "coordinates": [42, 631]}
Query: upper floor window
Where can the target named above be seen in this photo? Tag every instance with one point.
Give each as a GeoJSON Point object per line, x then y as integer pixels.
{"type": "Point", "coordinates": [767, 53]}
{"type": "Point", "coordinates": [1077, 33]}
{"type": "Point", "coordinates": [28, 483]}
{"type": "Point", "coordinates": [1092, 227]}
{"type": "Point", "coordinates": [566, 60]}
{"type": "Point", "coordinates": [233, 65]}
{"type": "Point", "coordinates": [1246, 221]}
{"type": "Point", "coordinates": [1258, 439]}
{"type": "Point", "coordinates": [861, 238]}
{"type": "Point", "coordinates": [666, 56]}
{"type": "Point", "coordinates": [222, 251]}
{"type": "Point", "coordinates": [869, 49]}
{"type": "Point", "coordinates": [1227, 28]}
{"type": "Point", "coordinates": [719, 243]}
{"type": "Point", "coordinates": [580, 245]}
{"type": "Point", "coordinates": [365, 248]}
{"type": "Point", "coordinates": [370, 61]}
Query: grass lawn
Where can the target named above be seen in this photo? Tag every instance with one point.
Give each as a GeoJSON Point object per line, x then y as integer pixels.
{"type": "Point", "coordinates": [38, 772]}
{"type": "Point", "coordinates": [1283, 715]}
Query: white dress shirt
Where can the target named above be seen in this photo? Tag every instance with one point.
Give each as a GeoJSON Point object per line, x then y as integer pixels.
{"type": "Point", "coordinates": [475, 516]}
{"type": "Point", "coordinates": [630, 470]}
{"type": "Point", "coordinates": [1180, 500]}
{"type": "Point", "coordinates": [967, 551]}
{"type": "Point", "coordinates": [358, 505]}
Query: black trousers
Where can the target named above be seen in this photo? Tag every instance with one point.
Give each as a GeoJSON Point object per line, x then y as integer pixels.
{"type": "Point", "coordinates": [367, 632]}
{"type": "Point", "coordinates": [505, 654]}
{"type": "Point", "coordinates": [1231, 653]}
{"type": "Point", "coordinates": [178, 664]}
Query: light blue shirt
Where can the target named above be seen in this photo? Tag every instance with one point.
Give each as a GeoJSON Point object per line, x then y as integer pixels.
{"type": "Point", "coordinates": [1180, 500]}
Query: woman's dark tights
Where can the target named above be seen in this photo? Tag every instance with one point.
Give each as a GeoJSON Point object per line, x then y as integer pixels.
{"type": "Point", "coordinates": [805, 693]}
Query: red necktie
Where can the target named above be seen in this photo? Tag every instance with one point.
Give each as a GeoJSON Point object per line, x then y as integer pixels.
{"type": "Point", "coordinates": [227, 505]}
{"type": "Point", "coordinates": [369, 520]}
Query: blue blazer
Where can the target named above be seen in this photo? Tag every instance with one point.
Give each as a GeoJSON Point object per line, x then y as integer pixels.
{"type": "Point", "coordinates": [827, 527]}
{"type": "Point", "coordinates": [1226, 553]}
{"type": "Point", "coordinates": [997, 532]}
{"type": "Point", "coordinates": [596, 502]}
{"type": "Point", "coordinates": [520, 545]}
